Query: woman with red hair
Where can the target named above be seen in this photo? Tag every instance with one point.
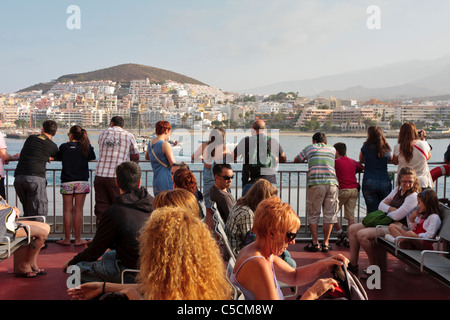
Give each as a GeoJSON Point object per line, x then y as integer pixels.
{"type": "Point", "coordinates": [160, 154]}
{"type": "Point", "coordinates": [185, 179]}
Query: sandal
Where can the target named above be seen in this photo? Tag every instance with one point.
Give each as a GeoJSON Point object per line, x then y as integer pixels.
{"type": "Point", "coordinates": [26, 275]}
{"type": "Point", "coordinates": [312, 247]}
{"type": "Point", "coordinates": [326, 248]}
{"type": "Point", "coordinates": [40, 272]}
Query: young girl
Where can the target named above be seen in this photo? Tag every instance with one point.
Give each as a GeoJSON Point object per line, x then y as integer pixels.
{"type": "Point", "coordinates": [75, 155]}
{"type": "Point", "coordinates": [424, 223]}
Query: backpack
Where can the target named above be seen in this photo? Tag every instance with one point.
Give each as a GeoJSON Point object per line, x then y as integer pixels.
{"type": "Point", "coordinates": [349, 286]}
{"type": "Point", "coordinates": [8, 225]}
{"type": "Point", "coordinates": [258, 158]}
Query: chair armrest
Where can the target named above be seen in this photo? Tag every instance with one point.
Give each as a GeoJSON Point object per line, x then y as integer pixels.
{"type": "Point", "coordinates": [43, 218]}
{"type": "Point", "coordinates": [422, 256]}
{"type": "Point", "coordinates": [125, 271]}
{"type": "Point", "coordinates": [8, 245]}
{"type": "Point", "coordinates": [412, 238]}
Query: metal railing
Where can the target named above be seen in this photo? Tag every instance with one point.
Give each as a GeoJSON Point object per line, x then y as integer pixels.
{"type": "Point", "coordinates": [291, 186]}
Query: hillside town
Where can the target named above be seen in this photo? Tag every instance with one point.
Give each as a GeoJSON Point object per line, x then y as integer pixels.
{"type": "Point", "coordinates": [143, 103]}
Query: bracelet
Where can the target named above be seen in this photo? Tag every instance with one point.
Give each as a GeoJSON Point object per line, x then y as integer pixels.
{"type": "Point", "coordinates": [104, 285]}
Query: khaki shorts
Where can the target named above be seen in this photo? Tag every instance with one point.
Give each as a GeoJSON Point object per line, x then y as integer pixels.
{"type": "Point", "coordinates": [322, 197]}
{"type": "Point", "coordinates": [348, 199]}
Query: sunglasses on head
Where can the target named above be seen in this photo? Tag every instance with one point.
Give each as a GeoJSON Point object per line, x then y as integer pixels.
{"type": "Point", "coordinates": [227, 177]}
{"type": "Point", "coordinates": [290, 236]}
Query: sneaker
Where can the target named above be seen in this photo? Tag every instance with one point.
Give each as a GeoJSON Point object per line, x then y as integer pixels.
{"type": "Point", "coordinates": [346, 242]}
{"type": "Point", "coordinates": [389, 238]}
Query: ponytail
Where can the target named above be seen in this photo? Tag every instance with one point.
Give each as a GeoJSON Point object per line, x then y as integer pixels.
{"type": "Point", "coordinates": [81, 136]}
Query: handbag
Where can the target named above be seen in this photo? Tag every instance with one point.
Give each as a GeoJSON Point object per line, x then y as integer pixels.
{"type": "Point", "coordinates": [376, 218]}
{"type": "Point", "coordinates": [8, 225]}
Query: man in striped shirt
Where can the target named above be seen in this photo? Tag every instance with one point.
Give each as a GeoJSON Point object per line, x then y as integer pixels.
{"type": "Point", "coordinates": [116, 146]}
{"type": "Point", "coordinates": [323, 189]}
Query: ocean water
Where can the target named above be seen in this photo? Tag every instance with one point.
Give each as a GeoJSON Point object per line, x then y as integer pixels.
{"type": "Point", "coordinates": [292, 144]}
{"type": "Point", "coordinates": [291, 185]}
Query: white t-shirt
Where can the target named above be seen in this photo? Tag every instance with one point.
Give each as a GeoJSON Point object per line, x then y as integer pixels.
{"type": "Point", "coordinates": [419, 162]}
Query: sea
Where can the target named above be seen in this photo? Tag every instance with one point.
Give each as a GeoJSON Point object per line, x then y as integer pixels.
{"type": "Point", "coordinates": [291, 187]}
{"type": "Point", "coordinates": [189, 140]}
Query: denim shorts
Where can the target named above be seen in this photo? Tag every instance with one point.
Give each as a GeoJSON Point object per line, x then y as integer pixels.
{"type": "Point", "coordinates": [374, 191]}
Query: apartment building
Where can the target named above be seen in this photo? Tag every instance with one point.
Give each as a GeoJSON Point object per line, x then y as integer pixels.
{"type": "Point", "coordinates": [422, 112]}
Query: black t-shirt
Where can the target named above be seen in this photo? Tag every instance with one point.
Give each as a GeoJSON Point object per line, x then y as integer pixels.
{"type": "Point", "coordinates": [75, 167]}
{"type": "Point", "coordinates": [250, 174]}
{"type": "Point", "coordinates": [34, 156]}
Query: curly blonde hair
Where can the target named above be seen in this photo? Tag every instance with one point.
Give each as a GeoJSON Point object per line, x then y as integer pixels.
{"type": "Point", "coordinates": [179, 259]}
{"type": "Point", "coordinates": [178, 198]}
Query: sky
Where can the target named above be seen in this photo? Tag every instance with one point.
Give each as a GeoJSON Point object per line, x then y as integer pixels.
{"type": "Point", "coordinates": [230, 44]}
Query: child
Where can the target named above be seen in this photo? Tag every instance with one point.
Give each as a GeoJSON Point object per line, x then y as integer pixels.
{"type": "Point", "coordinates": [346, 170]}
{"type": "Point", "coordinates": [424, 223]}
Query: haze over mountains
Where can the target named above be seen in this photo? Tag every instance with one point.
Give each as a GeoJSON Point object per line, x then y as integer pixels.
{"type": "Point", "coordinates": [409, 79]}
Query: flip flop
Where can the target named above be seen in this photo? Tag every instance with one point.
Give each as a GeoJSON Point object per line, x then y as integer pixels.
{"type": "Point", "coordinates": [81, 244]}
{"type": "Point", "coordinates": [40, 272]}
{"type": "Point", "coordinates": [312, 247]}
{"type": "Point", "coordinates": [26, 275]}
{"type": "Point", "coordinates": [63, 243]}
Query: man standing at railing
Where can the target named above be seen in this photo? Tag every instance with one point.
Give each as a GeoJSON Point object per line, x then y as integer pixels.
{"type": "Point", "coordinates": [323, 189]}
{"type": "Point", "coordinates": [116, 146]}
{"type": "Point", "coordinates": [261, 154]}
{"type": "Point", "coordinates": [30, 175]}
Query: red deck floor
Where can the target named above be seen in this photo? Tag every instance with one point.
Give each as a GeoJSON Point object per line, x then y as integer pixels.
{"type": "Point", "coordinates": [396, 284]}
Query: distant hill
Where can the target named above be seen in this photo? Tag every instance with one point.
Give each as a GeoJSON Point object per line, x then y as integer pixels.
{"type": "Point", "coordinates": [122, 73]}
{"type": "Point", "coordinates": [414, 78]}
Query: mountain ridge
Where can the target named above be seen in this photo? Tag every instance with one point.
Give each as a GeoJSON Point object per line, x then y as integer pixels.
{"type": "Point", "coordinates": [429, 77]}
{"type": "Point", "coordinates": [123, 73]}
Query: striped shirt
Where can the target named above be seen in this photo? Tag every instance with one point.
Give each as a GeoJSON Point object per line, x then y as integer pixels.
{"type": "Point", "coordinates": [116, 145]}
{"type": "Point", "coordinates": [321, 159]}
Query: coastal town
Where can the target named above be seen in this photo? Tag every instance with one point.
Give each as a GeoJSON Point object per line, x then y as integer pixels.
{"type": "Point", "coordinates": [143, 103]}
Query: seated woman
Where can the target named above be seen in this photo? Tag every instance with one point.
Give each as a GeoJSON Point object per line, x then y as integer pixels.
{"type": "Point", "coordinates": [240, 220]}
{"type": "Point", "coordinates": [26, 256]}
{"type": "Point", "coordinates": [178, 260]}
{"type": "Point", "coordinates": [401, 201]}
{"type": "Point", "coordinates": [258, 266]}
{"type": "Point", "coordinates": [177, 198]}
{"type": "Point", "coordinates": [185, 179]}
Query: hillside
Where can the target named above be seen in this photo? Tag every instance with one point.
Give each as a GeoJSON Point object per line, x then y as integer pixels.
{"type": "Point", "coordinates": [122, 73]}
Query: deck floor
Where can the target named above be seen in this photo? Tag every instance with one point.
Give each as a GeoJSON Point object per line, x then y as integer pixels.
{"type": "Point", "coordinates": [396, 283]}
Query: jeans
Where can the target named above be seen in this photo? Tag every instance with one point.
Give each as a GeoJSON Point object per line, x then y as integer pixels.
{"type": "Point", "coordinates": [374, 191]}
{"type": "Point", "coordinates": [108, 269]}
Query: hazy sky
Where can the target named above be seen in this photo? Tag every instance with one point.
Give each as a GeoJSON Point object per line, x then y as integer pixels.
{"type": "Point", "coordinates": [234, 44]}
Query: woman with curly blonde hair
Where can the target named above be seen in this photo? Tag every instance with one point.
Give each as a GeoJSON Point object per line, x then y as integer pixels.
{"type": "Point", "coordinates": [180, 259]}
{"type": "Point", "coordinates": [258, 265]}
{"type": "Point", "coordinates": [177, 198]}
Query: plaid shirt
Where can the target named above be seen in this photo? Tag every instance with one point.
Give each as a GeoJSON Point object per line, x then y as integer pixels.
{"type": "Point", "coordinates": [239, 222]}
{"type": "Point", "coordinates": [116, 145]}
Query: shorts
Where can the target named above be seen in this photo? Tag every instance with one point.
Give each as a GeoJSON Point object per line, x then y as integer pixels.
{"type": "Point", "coordinates": [75, 187]}
{"type": "Point", "coordinates": [348, 199]}
{"type": "Point", "coordinates": [323, 196]}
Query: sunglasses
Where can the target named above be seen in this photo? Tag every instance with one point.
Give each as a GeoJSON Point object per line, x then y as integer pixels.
{"type": "Point", "coordinates": [227, 177]}
{"type": "Point", "coordinates": [290, 236]}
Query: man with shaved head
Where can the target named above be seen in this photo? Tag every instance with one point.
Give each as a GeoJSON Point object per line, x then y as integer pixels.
{"type": "Point", "coordinates": [260, 154]}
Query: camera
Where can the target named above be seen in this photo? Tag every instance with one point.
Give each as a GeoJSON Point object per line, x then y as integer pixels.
{"type": "Point", "coordinates": [420, 132]}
